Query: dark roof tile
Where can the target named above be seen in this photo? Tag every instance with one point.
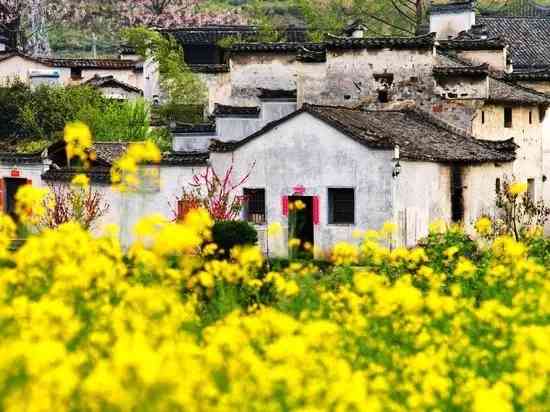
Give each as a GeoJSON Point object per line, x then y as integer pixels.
{"type": "Point", "coordinates": [462, 71]}
{"type": "Point", "coordinates": [111, 81]}
{"type": "Point", "coordinates": [221, 110]}
{"type": "Point", "coordinates": [209, 68]}
{"type": "Point", "coordinates": [419, 135]}
{"type": "Point", "coordinates": [526, 36]}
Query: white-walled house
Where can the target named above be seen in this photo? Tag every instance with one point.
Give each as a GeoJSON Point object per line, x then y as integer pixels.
{"type": "Point", "coordinates": [15, 65]}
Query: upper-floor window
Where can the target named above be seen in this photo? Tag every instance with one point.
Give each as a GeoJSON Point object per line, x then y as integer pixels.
{"type": "Point", "coordinates": [341, 205]}
{"type": "Point", "coordinates": [530, 117]}
{"type": "Point", "coordinates": [255, 205]}
{"type": "Point", "coordinates": [483, 117]}
{"type": "Point", "coordinates": [508, 117]}
{"type": "Point", "coordinates": [76, 73]}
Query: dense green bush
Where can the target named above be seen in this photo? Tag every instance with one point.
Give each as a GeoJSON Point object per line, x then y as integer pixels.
{"type": "Point", "coordinates": [117, 120]}
{"type": "Point", "coordinates": [40, 114]}
{"type": "Point", "coordinates": [228, 234]}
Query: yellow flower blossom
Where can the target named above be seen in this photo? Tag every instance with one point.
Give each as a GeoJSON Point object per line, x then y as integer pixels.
{"type": "Point", "coordinates": [517, 188]}
{"type": "Point", "coordinates": [80, 181]}
{"type": "Point", "coordinates": [484, 226]}
{"type": "Point", "coordinates": [29, 204]}
{"type": "Point", "coordinates": [274, 229]}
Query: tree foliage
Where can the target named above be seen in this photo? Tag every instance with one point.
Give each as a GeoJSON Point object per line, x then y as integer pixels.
{"type": "Point", "coordinates": [181, 86]}
{"type": "Point", "coordinates": [41, 114]}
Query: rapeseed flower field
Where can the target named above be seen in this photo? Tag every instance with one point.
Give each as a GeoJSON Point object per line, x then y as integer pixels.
{"type": "Point", "coordinates": [451, 325]}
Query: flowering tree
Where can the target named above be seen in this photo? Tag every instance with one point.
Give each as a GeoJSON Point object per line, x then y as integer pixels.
{"type": "Point", "coordinates": [214, 192]}
{"type": "Point", "coordinates": [74, 203]}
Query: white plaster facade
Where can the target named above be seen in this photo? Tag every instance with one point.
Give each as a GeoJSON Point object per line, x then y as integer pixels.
{"type": "Point", "coordinates": [20, 67]}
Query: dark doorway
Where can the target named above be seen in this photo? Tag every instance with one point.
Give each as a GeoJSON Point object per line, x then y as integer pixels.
{"type": "Point", "coordinates": [300, 222]}
{"type": "Point", "coordinates": [12, 185]}
{"type": "Point", "coordinates": [457, 196]}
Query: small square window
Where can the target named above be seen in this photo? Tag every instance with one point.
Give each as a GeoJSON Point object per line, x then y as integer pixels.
{"type": "Point", "coordinates": [341, 206]}
{"type": "Point", "coordinates": [76, 73]}
{"type": "Point", "coordinates": [255, 205]}
{"type": "Point", "coordinates": [508, 117]}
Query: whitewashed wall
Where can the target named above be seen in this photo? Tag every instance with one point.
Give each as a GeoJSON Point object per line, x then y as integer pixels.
{"type": "Point", "coordinates": [423, 193]}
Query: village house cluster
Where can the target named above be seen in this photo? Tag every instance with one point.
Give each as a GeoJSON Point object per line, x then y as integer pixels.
{"type": "Point", "coordinates": [363, 130]}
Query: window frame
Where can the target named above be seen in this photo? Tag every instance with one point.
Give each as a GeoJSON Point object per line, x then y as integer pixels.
{"type": "Point", "coordinates": [330, 206]}
{"type": "Point", "coordinates": [246, 209]}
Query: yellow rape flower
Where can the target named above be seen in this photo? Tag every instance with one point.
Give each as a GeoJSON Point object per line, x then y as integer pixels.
{"type": "Point", "coordinates": [29, 204]}
{"type": "Point", "coordinates": [483, 226]}
{"type": "Point", "coordinates": [79, 139]}
{"type": "Point", "coordinates": [81, 181]}
{"type": "Point", "coordinates": [517, 188]}
{"type": "Point", "coordinates": [299, 205]}
{"type": "Point", "coordinates": [274, 229]}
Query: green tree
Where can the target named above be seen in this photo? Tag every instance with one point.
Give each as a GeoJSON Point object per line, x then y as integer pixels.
{"type": "Point", "coordinates": [181, 86]}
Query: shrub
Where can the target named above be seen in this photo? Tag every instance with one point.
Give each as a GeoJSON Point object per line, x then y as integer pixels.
{"type": "Point", "coordinates": [228, 234]}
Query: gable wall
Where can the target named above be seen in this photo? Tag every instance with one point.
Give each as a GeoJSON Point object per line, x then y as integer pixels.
{"type": "Point", "coordinates": [495, 58]}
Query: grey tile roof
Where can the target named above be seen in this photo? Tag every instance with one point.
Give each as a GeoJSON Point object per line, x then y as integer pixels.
{"type": "Point", "coordinates": [111, 81]}
{"type": "Point", "coordinates": [419, 135]}
{"type": "Point", "coordinates": [504, 91]}
{"type": "Point", "coordinates": [221, 110]}
{"type": "Point", "coordinates": [526, 36]}
{"type": "Point", "coordinates": [109, 152]}
{"type": "Point", "coordinates": [456, 6]}
{"type": "Point", "coordinates": [462, 71]}
{"type": "Point", "coordinates": [98, 175]}
{"type": "Point", "coordinates": [110, 64]}
{"type": "Point", "coordinates": [209, 68]}
{"type": "Point", "coordinates": [210, 35]}
{"type": "Point", "coordinates": [20, 158]}
{"type": "Point", "coordinates": [185, 158]}
{"type": "Point", "coordinates": [202, 128]}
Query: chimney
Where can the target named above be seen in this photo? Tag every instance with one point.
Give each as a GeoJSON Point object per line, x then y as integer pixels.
{"type": "Point", "coordinates": [448, 20]}
{"type": "Point", "coordinates": [3, 43]}
{"type": "Point", "coordinates": [355, 30]}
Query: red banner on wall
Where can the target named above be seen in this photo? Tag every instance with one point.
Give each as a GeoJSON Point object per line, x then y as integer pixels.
{"type": "Point", "coordinates": [315, 211]}
{"type": "Point", "coordinates": [285, 205]}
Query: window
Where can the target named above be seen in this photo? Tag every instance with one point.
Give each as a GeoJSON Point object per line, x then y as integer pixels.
{"type": "Point", "coordinates": [483, 117]}
{"type": "Point", "coordinates": [255, 205]}
{"type": "Point", "coordinates": [383, 96]}
{"type": "Point", "coordinates": [542, 113]}
{"type": "Point", "coordinates": [76, 73]}
{"type": "Point", "coordinates": [530, 117]}
{"type": "Point", "coordinates": [341, 205]}
{"type": "Point", "coordinates": [531, 189]}
{"type": "Point", "coordinates": [508, 117]}
{"type": "Point", "coordinates": [497, 185]}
